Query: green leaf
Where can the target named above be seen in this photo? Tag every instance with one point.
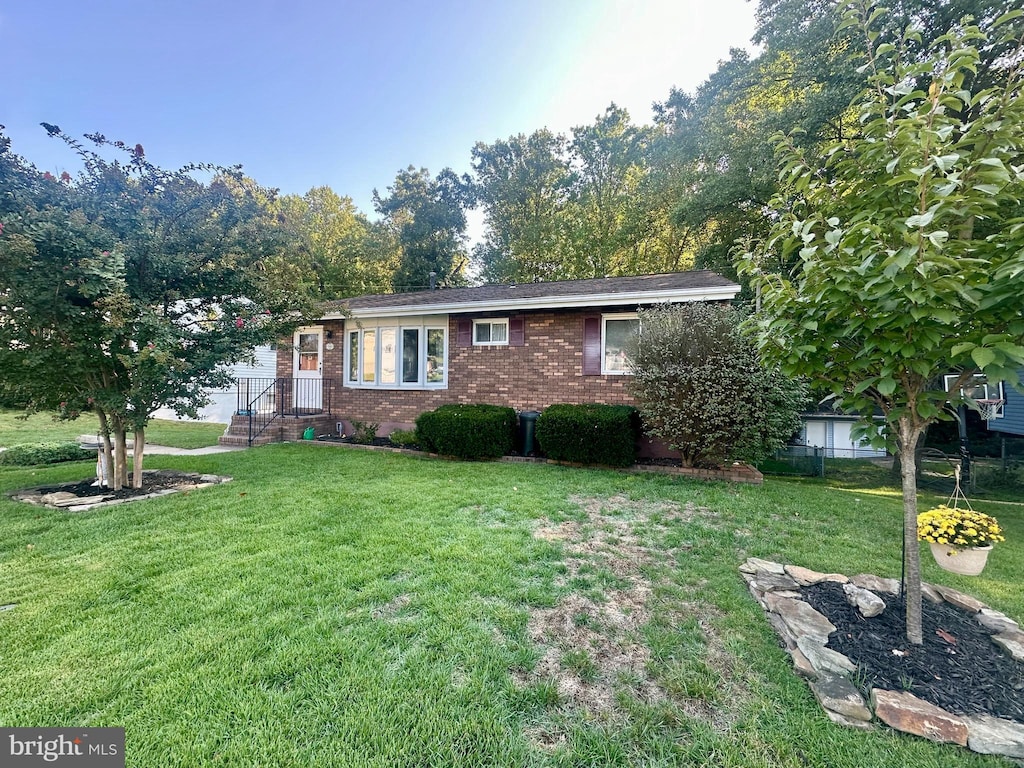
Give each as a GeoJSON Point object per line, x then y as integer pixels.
{"type": "Point", "coordinates": [886, 386]}
{"type": "Point", "coordinates": [920, 220]}
{"type": "Point", "coordinates": [982, 357]}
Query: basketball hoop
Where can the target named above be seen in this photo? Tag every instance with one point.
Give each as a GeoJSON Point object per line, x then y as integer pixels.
{"type": "Point", "coordinates": [990, 409]}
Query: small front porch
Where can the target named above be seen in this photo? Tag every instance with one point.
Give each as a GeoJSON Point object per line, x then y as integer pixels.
{"type": "Point", "coordinates": [273, 410]}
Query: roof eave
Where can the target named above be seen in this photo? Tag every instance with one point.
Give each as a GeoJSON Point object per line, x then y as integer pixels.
{"type": "Point", "coordinates": [675, 295]}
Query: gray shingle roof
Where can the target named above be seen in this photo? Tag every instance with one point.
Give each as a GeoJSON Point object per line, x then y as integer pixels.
{"type": "Point", "coordinates": [640, 289]}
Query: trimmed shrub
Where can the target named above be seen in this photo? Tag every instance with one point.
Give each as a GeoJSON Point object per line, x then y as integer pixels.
{"type": "Point", "coordinates": [44, 453]}
{"type": "Point", "coordinates": [589, 433]}
{"type": "Point", "coordinates": [468, 431]}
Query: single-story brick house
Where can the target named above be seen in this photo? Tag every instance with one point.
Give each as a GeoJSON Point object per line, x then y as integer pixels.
{"type": "Point", "coordinates": [387, 358]}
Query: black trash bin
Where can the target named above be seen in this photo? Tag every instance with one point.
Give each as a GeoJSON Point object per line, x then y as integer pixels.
{"type": "Point", "coordinates": [527, 431]}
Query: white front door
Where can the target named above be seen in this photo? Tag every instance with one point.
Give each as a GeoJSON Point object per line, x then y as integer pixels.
{"type": "Point", "coordinates": [308, 368]}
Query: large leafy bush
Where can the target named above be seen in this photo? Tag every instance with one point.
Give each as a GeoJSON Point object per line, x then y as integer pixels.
{"type": "Point", "coordinates": [702, 389]}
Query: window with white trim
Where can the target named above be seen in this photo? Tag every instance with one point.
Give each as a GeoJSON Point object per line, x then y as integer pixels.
{"type": "Point", "coordinates": [397, 357]}
{"type": "Point", "coordinates": [490, 332]}
{"type": "Point", "coordinates": [618, 335]}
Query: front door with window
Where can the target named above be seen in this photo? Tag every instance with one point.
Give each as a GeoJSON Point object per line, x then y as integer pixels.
{"type": "Point", "coordinates": [308, 368]}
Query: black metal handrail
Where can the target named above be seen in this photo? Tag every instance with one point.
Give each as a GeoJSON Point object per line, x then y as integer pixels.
{"type": "Point", "coordinates": [279, 397]}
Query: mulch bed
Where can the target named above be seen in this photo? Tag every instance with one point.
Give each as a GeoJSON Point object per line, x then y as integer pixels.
{"type": "Point", "coordinates": [152, 481]}
{"type": "Point", "coordinates": [957, 668]}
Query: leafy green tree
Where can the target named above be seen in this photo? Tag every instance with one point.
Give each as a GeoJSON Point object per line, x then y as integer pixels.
{"type": "Point", "coordinates": [340, 251]}
{"type": "Point", "coordinates": [428, 221]}
{"type": "Point", "coordinates": [907, 257]}
{"type": "Point", "coordinates": [522, 184]}
{"type": "Point", "coordinates": [126, 288]}
{"type": "Point", "coordinates": [701, 387]}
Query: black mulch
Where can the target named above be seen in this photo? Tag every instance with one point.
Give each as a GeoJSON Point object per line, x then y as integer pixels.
{"type": "Point", "coordinates": [152, 481]}
{"type": "Point", "coordinates": [957, 668]}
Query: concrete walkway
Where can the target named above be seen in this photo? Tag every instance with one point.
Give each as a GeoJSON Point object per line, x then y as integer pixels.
{"type": "Point", "coordinates": [168, 450]}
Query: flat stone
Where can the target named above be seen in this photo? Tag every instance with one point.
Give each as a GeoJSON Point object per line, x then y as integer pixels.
{"type": "Point", "coordinates": [756, 593]}
{"type": "Point", "coordinates": [801, 619]}
{"type": "Point", "coordinates": [876, 583]}
{"type": "Point", "coordinates": [849, 722]}
{"type": "Point", "coordinates": [1012, 643]}
{"type": "Point", "coordinates": [746, 567]}
{"type": "Point", "coordinates": [960, 600]}
{"type": "Point", "coordinates": [788, 641]}
{"type": "Point", "coordinates": [864, 600]}
{"type": "Point", "coordinates": [824, 660]}
{"type": "Point", "coordinates": [772, 582]}
{"type": "Point", "coordinates": [802, 665]}
{"type": "Point", "coordinates": [837, 694]}
{"type": "Point", "coordinates": [995, 736]}
{"type": "Point", "coordinates": [766, 565]}
{"type": "Point", "coordinates": [930, 593]}
{"type": "Point", "coordinates": [56, 498]}
{"type": "Point", "coordinates": [838, 578]}
{"type": "Point", "coordinates": [909, 714]}
{"type": "Point", "coordinates": [805, 577]}
{"type": "Point", "coordinates": [214, 479]}
{"type": "Point", "coordinates": [8, 607]}
{"type": "Point", "coordinates": [996, 622]}
{"type": "Point", "coordinates": [75, 501]}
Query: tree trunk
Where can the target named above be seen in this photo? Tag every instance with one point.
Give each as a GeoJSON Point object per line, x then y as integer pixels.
{"type": "Point", "coordinates": [120, 454]}
{"type": "Point", "coordinates": [140, 447]}
{"type": "Point", "coordinates": [108, 452]}
{"type": "Point", "coordinates": [909, 435]}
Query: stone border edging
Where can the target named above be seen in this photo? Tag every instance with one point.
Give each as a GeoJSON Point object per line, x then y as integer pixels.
{"type": "Point", "coordinates": [67, 502]}
{"type": "Point", "coordinates": [804, 633]}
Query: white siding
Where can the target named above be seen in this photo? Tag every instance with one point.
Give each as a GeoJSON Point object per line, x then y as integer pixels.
{"type": "Point", "coordinates": [222, 401]}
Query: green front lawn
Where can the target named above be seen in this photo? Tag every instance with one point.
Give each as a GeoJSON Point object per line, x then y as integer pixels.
{"type": "Point", "coordinates": [43, 427]}
{"type": "Point", "coordinates": [334, 607]}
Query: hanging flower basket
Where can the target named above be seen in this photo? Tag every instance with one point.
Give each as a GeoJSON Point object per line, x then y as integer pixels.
{"type": "Point", "coordinates": [960, 539]}
{"type": "Point", "coordinates": [966, 562]}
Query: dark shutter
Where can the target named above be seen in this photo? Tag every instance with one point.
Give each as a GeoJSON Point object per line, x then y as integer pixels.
{"type": "Point", "coordinates": [591, 346]}
{"type": "Point", "coordinates": [516, 331]}
{"type": "Point", "coordinates": [465, 335]}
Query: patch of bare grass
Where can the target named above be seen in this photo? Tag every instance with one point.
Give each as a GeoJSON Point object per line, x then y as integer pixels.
{"type": "Point", "coordinates": [592, 642]}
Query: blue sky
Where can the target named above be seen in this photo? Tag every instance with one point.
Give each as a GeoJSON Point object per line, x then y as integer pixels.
{"type": "Point", "coordinates": [342, 93]}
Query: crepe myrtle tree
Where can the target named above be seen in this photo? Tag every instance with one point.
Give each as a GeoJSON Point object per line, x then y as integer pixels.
{"type": "Point", "coordinates": [128, 287]}
{"type": "Point", "coordinates": [908, 243]}
{"type": "Point", "coordinates": [701, 387]}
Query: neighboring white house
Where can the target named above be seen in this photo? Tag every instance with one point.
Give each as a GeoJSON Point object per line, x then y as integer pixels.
{"type": "Point", "coordinates": [831, 431]}
{"type": "Point", "coordinates": [223, 402]}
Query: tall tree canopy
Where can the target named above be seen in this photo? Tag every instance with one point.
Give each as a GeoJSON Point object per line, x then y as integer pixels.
{"type": "Point", "coordinates": [339, 252]}
{"type": "Point", "coordinates": [906, 238]}
{"type": "Point", "coordinates": [428, 222]}
{"type": "Point", "coordinates": [127, 287]}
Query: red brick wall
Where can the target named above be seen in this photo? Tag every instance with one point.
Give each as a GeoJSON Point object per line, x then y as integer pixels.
{"type": "Point", "coordinates": [547, 369]}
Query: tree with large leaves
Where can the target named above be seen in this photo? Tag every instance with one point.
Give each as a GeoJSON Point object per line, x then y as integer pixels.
{"type": "Point", "coordinates": [129, 287]}
{"type": "Point", "coordinates": [907, 249]}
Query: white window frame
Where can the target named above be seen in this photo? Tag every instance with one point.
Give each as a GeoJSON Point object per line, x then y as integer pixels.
{"type": "Point", "coordinates": [423, 328]}
{"type": "Point", "coordinates": [604, 337]}
{"type": "Point", "coordinates": [491, 321]}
